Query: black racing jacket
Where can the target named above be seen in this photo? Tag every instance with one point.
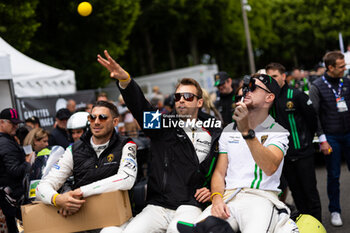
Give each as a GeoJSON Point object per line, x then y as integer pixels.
{"type": "Point", "coordinates": [89, 168]}
{"type": "Point", "coordinates": [174, 170]}
{"type": "Point", "coordinates": [13, 167]}
{"type": "Point", "coordinates": [60, 137]}
{"type": "Point", "coordinates": [225, 104]}
{"type": "Point", "coordinates": [294, 111]}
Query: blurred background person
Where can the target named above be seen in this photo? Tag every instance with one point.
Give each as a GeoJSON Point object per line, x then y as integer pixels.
{"type": "Point", "coordinates": [299, 80]}
{"type": "Point", "coordinates": [59, 135]}
{"type": "Point", "coordinates": [155, 92]}
{"type": "Point", "coordinates": [33, 122]}
{"type": "Point", "coordinates": [102, 96]}
{"type": "Point", "coordinates": [88, 107]}
{"type": "Point", "coordinates": [158, 102]}
{"type": "Point", "coordinates": [330, 96]}
{"type": "Point", "coordinates": [71, 106]}
{"type": "Point", "coordinates": [77, 125]}
{"type": "Point", "coordinates": [21, 133]}
{"type": "Point", "coordinates": [294, 111]}
{"type": "Point", "coordinates": [317, 73]}
{"type": "Point", "coordinates": [226, 97]}
{"type": "Point", "coordinates": [169, 104]}
{"type": "Point", "coordinates": [208, 106]}
{"type": "Point", "coordinates": [14, 167]}
{"type": "Point", "coordinates": [38, 140]}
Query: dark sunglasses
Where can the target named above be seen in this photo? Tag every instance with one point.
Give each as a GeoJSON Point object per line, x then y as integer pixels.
{"type": "Point", "coordinates": [252, 86]}
{"type": "Point", "coordinates": [101, 117]}
{"type": "Point", "coordinates": [187, 96]}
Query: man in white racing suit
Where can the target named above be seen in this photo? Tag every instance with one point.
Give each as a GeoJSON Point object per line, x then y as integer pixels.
{"type": "Point", "coordinates": [101, 161]}
{"type": "Point", "coordinates": [246, 178]}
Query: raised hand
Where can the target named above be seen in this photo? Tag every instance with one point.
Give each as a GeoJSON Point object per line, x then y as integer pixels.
{"type": "Point", "coordinates": [116, 71]}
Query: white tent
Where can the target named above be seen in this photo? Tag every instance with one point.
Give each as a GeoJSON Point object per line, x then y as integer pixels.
{"type": "Point", "coordinates": [34, 79]}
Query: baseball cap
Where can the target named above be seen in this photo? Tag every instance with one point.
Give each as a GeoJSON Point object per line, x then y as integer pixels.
{"type": "Point", "coordinates": [33, 119]}
{"type": "Point", "coordinates": [269, 82]}
{"type": "Point", "coordinates": [10, 114]}
{"type": "Point", "coordinates": [220, 78]}
{"type": "Point", "coordinates": [210, 224]}
{"type": "Point", "coordinates": [63, 114]}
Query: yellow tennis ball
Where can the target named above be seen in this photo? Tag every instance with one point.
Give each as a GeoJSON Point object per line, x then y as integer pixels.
{"type": "Point", "coordinates": [84, 8]}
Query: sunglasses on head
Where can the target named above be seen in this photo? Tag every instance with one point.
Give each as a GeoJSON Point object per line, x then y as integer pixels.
{"type": "Point", "coordinates": [101, 117]}
{"type": "Point", "coordinates": [187, 96]}
{"type": "Point", "coordinates": [252, 86]}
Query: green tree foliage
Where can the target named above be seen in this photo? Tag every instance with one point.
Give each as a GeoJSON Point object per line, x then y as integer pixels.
{"type": "Point", "coordinates": [148, 36]}
{"type": "Point", "coordinates": [17, 22]}
{"type": "Point", "coordinates": [70, 41]}
{"type": "Point", "coordinates": [301, 30]}
{"type": "Point", "coordinates": [177, 33]}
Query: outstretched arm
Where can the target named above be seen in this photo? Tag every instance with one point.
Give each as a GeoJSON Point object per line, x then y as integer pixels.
{"type": "Point", "coordinates": [131, 92]}
{"type": "Point", "coordinates": [116, 71]}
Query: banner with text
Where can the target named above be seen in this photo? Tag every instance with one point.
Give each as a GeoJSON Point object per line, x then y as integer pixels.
{"type": "Point", "coordinates": [45, 108]}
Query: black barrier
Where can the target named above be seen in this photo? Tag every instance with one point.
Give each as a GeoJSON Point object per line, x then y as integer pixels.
{"type": "Point", "coordinates": [45, 107]}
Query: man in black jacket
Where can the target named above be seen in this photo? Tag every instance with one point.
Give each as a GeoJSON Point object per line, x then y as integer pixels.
{"type": "Point", "coordinates": [183, 158]}
{"type": "Point", "coordinates": [14, 165]}
{"type": "Point", "coordinates": [225, 100]}
{"type": "Point", "coordinates": [294, 111]}
{"type": "Point", "coordinates": [59, 135]}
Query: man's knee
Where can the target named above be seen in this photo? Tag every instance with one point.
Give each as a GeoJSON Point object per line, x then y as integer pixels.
{"type": "Point", "coordinates": [111, 230]}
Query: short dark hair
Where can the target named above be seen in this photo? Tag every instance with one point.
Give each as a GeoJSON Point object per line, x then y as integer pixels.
{"type": "Point", "coordinates": [331, 57]}
{"type": "Point", "coordinates": [276, 66]}
{"type": "Point", "coordinates": [192, 82]}
{"type": "Point", "coordinates": [110, 106]}
{"type": "Point", "coordinates": [34, 120]}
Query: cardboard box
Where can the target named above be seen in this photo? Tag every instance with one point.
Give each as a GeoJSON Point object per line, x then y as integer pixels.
{"type": "Point", "coordinates": [107, 209]}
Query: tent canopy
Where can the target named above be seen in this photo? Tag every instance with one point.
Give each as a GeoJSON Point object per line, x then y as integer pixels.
{"type": "Point", "coordinates": [34, 79]}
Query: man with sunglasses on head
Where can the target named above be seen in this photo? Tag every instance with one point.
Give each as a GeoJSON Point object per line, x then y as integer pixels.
{"type": "Point", "coordinates": [14, 165]}
{"type": "Point", "coordinates": [101, 161]}
{"type": "Point", "coordinates": [294, 111]}
{"type": "Point", "coordinates": [246, 178]}
{"type": "Point", "coordinates": [182, 157]}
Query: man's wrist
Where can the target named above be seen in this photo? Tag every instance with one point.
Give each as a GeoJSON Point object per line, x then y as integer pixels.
{"type": "Point", "coordinates": [322, 138]}
{"type": "Point", "coordinates": [215, 195]}
{"type": "Point", "coordinates": [54, 199]}
{"type": "Point", "coordinates": [124, 84]}
{"type": "Point", "coordinates": [250, 134]}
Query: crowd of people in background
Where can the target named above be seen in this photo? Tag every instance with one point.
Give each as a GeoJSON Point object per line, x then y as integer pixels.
{"type": "Point", "coordinates": [311, 105]}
